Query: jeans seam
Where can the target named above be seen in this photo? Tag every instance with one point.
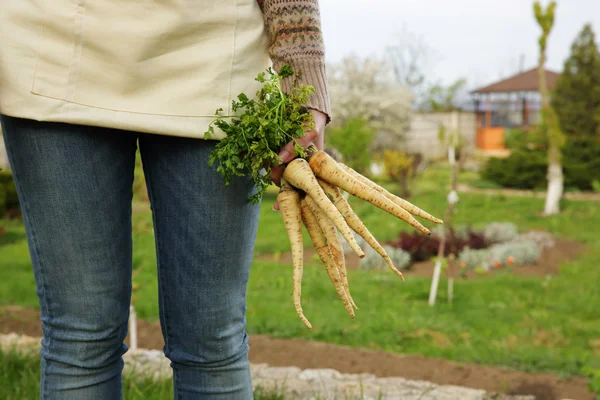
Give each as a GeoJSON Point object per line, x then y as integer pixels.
{"type": "Point", "coordinates": [36, 249]}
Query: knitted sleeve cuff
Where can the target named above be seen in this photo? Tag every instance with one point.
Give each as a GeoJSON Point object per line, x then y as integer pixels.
{"type": "Point", "coordinates": [313, 74]}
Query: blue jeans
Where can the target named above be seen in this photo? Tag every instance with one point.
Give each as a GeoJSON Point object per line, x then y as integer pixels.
{"type": "Point", "coordinates": [75, 188]}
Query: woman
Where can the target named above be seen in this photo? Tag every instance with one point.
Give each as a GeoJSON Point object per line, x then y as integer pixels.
{"type": "Point", "coordinates": [81, 83]}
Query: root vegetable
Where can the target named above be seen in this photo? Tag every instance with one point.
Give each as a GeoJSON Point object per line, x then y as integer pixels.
{"type": "Point", "coordinates": [408, 206]}
{"type": "Point", "coordinates": [291, 212]}
{"type": "Point", "coordinates": [356, 224]}
{"type": "Point", "coordinates": [317, 237]}
{"type": "Point", "coordinates": [299, 174]}
{"type": "Point", "coordinates": [334, 244]}
{"type": "Point", "coordinates": [327, 169]}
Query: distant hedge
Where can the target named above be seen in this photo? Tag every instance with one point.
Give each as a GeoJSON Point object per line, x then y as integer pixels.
{"type": "Point", "coordinates": [526, 167]}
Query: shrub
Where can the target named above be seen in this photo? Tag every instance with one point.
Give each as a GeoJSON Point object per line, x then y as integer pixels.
{"type": "Point", "coordinates": [581, 162]}
{"type": "Point", "coordinates": [523, 169]}
{"type": "Point", "coordinates": [527, 165]}
{"type": "Point", "coordinates": [473, 258]}
{"type": "Point", "coordinates": [373, 261]}
{"type": "Point", "coordinates": [544, 240]}
{"type": "Point", "coordinates": [519, 138]}
{"type": "Point", "coordinates": [518, 253]}
{"type": "Point", "coordinates": [353, 141]}
{"type": "Point", "coordinates": [523, 252]}
{"type": "Point", "coordinates": [500, 232]}
{"type": "Point", "coordinates": [422, 247]}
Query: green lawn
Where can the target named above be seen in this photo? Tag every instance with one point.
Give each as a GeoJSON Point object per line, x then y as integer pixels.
{"type": "Point", "coordinates": [528, 323]}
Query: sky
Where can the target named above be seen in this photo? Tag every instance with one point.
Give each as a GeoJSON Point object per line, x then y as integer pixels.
{"type": "Point", "coordinates": [480, 40]}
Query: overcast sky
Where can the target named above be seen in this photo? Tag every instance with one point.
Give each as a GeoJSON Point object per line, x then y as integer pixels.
{"type": "Point", "coordinates": [480, 40]}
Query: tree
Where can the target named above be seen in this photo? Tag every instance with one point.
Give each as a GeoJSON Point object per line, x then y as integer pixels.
{"type": "Point", "coordinates": [365, 88]}
{"type": "Point", "coordinates": [353, 140]}
{"type": "Point", "coordinates": [576, 97]}
{"type": "Point", "coordinates": [443, 99]}
{"type": "Point", "coordinates": [549, 124]}
{"type": "Point", "coordinates": [409, 57]}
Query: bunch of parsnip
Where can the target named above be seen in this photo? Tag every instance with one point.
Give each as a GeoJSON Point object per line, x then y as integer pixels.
{"type": "Point", "coordinates": [310, 195]}
{"type": "Point", "coordinates": [310, 189]}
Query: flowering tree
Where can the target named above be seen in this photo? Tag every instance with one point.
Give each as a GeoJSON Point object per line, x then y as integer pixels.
{"type": "Point", "coordinates": [365, 88]}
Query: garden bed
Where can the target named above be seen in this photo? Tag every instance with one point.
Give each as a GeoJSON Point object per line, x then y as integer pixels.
{"type": "Point", "coordinates": [309, 354]}
{"type": "Point", "coordinates": [549, 263]}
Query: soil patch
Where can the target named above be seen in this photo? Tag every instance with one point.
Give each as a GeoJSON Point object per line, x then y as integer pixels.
{"type": "Point", "coordinates": [549, 263]}
{"type": "Point", "coordinates": [309, 354]}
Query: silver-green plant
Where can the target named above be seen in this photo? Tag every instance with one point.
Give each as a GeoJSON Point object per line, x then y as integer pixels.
{"type": "Point", "coordinates": [473, 258]}
{"type": "Point", "coordinates": [500, 232]}
{"type": "Point", "coordinates": [524, 252]}
{"type": "Point", "coordinates": [373, 261]}
{"type": "Point", "coordinates": [361, 243]}
{"type": "Point", "coordinates": [544, 240]}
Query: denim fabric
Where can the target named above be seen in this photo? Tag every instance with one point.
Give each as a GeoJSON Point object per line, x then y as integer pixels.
{"type": "Point", "coordinates": [75, 187]}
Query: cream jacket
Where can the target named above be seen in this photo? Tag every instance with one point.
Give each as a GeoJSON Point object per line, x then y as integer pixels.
{"type": "Point", "coordinates": [150, 66]}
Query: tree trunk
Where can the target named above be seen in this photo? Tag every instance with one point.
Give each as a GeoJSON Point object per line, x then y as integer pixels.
{"type": "Point", "coordinates": [549, 121]}
{"type": "Point", "coordinates": [555, 182]}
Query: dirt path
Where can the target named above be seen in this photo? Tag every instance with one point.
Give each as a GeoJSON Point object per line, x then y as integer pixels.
{"type": "Point", "coordinates": [308, 354]}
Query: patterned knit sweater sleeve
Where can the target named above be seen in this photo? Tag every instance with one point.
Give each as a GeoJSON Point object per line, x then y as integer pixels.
{"type": "Point", "coordinates": [295, 38]}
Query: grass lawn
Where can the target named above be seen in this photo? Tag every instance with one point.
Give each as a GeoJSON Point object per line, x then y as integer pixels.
{"type": "Point", "coordinates": [528, 323]}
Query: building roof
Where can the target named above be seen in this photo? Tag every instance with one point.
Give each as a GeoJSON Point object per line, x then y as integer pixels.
{"type": "Point", "coordinates": [524, 82]}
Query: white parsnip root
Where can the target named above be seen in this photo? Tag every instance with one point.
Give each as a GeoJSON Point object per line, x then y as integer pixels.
{"type": "Point", "coordinates": [317, 236]}
{"type": "Point", "coordinates": [299, 174]}
{"type": "Point", "coordinates": [411, 208]}
{"type": "Point", "coordinates": [328, 169]}
{"type": "Point", "coordinates": [310, 195]}
{"type": "Point", "coordinates": [334, 244]}
{"type": "Point", "coordinates": [356, 224]}
{"type": "Point", "coordinates": [289, 204]}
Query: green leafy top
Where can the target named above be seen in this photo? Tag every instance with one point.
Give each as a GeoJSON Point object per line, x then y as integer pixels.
{"type": "Point", "coordinates": [266, 125]}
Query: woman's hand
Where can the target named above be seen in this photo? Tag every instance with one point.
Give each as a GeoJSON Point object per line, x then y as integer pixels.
{"type": "Point", "coordinates": [315, 137]}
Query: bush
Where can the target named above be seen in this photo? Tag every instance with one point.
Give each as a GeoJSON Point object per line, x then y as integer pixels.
{"type": "Point", "coordinates": [373, 261]}
{"type": "Point", "coordinates": [500, 232]}
{"type": "Point", "coordinates": [522, 252]}
{"type": "Point", "coordinates": [518, 253]}
{"type": "Point", "coordinates": [524, 169]}
{"type": "Point", "coordinates": [527, 166]}
{"type": "Point", "coordinates": [581, 162]}
{"type": "Point", "coordinates": [422, 247]}
{"type": "Point", "coordinates": [473, 258]}
{"type": "Point", "coordinates": [353, 141]}
{"type": "Point", "coordinates": [544, 240]}
{"type": "Point", "coordinates": [518, 138]}
{"type": "Point", "coordinates": [9, 201]}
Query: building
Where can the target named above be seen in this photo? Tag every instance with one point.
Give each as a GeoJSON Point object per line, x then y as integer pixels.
{"type": "Point", "coordinates": [510, 103]}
